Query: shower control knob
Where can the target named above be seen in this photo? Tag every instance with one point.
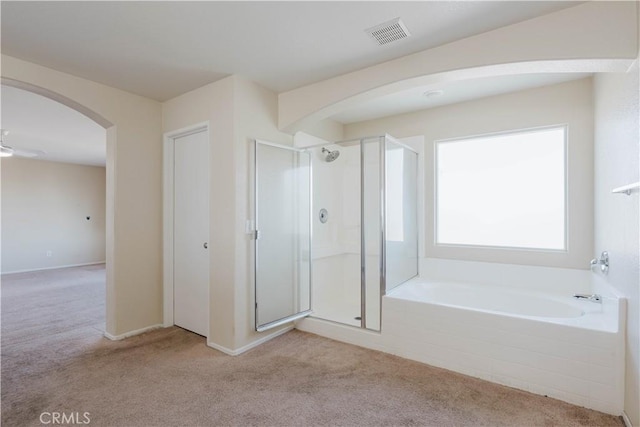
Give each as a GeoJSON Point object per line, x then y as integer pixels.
{"type": "Point", "coordinates": [324, 215]}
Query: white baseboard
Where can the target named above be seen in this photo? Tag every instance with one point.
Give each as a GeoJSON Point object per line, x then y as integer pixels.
{"type": "Point", "coordinates": [625, 418]}
{"type": "Point", "coordinates": [132, 333]}
{"type": "Point", "coordinates": [54, 268]}
{"type": "Point", "coordinates": [248, 346]}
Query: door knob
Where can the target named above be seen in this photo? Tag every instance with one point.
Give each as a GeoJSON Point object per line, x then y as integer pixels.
{"type": "Point", "coordinates": [206, 245]}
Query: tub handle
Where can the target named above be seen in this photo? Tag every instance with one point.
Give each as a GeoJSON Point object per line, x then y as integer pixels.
{"type": "Point", "coordinates": [593, 297]}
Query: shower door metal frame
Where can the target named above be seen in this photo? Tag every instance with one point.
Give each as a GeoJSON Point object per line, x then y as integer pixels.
{"type": "Point", "coordinates": [256, 237]}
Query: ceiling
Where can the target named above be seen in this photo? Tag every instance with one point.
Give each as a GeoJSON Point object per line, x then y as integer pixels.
{"type": "Point", "coordinates": [57, 132]}
{"type": "Point", "coordinates": [163, 49]}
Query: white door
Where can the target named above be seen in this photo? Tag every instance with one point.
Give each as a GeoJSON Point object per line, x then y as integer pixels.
{"type": "Point", "coordinates": [191, 233]}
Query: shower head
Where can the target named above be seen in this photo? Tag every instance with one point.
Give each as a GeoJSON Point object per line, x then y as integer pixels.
{"type": "Point", "coordinates": [331, 155]}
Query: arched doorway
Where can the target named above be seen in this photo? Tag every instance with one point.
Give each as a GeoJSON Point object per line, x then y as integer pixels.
{"type": "Point", "coordinates": [109, 136]}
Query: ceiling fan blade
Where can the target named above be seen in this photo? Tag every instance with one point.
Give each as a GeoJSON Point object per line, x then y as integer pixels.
{"type": "Point", "coordinates": [25, 152]}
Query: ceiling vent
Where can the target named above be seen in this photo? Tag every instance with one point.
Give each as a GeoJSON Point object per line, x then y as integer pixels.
{"type": "Point", "coordinates": [388, 32]}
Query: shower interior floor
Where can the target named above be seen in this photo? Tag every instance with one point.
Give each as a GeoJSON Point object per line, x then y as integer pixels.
{"type": "Point", "coordinates": [339, 311]}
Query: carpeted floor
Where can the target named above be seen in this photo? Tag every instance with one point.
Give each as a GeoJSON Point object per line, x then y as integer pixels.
{"type": "Point", "coordinates": [54, 359]}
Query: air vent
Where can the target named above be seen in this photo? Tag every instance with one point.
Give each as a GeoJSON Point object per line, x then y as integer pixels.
{"type": "Point", "coordinates": [388, 32]}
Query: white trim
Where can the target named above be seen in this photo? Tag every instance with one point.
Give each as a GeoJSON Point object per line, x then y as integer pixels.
{"type": "Point", "coordinates": [503, 132]}
{"type": "Point", "coordinates": [250, 345]}
{"type": "Point", "coordinates": [626, 420]}
{"type": "Point", "coordinates": [167, 231]}
{"type": "Point", "coordinates": [131, 333]}
{"type": "Point", "coordinates": [167, 210]}
{"type": "Point", "coordinates": [54, 268]}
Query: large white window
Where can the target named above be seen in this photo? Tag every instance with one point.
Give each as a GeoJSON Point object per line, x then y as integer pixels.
{"type": "Point", "coordinates": [504, 190]}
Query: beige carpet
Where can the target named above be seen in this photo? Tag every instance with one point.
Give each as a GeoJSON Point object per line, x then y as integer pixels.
{"type": "Point", "coordinates": [54, 359]}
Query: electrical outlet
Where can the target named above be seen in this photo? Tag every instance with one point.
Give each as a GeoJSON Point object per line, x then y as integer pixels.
{"type": "Point", "coordinates": [49, 254]}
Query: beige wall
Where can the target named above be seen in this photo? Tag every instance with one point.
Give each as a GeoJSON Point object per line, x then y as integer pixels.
{"type": "Point", "coordinates": [568, 103]}
{"type": "Point", "coordinates": [213, 103]}
{"type": "Point", "coordinates": [327, 129]}
{"type": "Point", "coordinates": [134, 184]}
{"type": "Point", "coordinates": [45, 205]}
{"type": "Point", "coordinates": [617, 216]}
{"type": "Point", "coordinates": [257, 113]}
{"type": "Point", "coordinates": [238, 111]}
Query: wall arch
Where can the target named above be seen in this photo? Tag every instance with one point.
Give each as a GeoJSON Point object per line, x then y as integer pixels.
{"type": "Point", "coordinates": [134, 200]}
{"type": "Point", "coordinates": [590, 37]}
{"type": "Point", "coordinates": [96, 117]}
{"type": "Point", "coordinates": [109, 215]}
{"type": "Point", "coordinates": [471, 73]}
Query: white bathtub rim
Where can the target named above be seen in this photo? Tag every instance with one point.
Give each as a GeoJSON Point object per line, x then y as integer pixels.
{"type": "Point", "coordinates": [608, 293]}
{"type": "Point", "coordinates": [552, 279]}
{"type": "Point", "coordinates": [600, 317]}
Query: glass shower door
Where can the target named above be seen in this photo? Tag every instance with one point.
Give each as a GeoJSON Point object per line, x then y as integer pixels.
{"type": "Point", "coordinates": [401, 213]}
{"type": "Point", "coordinates": [372, 220]}
{"type": "Point", "coordinates": [282, 212]}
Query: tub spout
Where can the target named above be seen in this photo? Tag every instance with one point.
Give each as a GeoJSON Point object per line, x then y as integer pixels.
{"type": "Point", "coordinates": [593, 298]}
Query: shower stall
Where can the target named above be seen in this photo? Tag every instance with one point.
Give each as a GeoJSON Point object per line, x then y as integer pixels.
{"type": "Point", "coordinates": [347, 229]}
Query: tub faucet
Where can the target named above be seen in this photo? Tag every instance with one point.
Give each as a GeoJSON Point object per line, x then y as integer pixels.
{"type": "Point", "coordinates": [593, 298]}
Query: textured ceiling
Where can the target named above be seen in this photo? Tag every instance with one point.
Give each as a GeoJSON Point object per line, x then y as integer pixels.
{"type": "Point", "coordinates": [163, 49]}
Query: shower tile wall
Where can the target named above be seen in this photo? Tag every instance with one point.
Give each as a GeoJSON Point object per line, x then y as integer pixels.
{"type": "Point", "coordinates": [336, 243]}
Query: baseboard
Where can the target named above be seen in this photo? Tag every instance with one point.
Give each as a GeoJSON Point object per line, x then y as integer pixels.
{"type": "Point", "coordinates": [132, 333]}
{"type": "Point", "coordinates": [625, 418]}
{"type": "Point", "coordinates": [248, 346]}
{"type": "Point", "coordinates": [54, 268]}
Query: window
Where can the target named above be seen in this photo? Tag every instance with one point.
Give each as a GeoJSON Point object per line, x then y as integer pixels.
{"type": "Point", "coordinates": [506, 190]}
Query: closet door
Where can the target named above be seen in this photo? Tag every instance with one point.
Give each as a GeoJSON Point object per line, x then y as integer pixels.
{"type": "Point", "coordinates": [191, 233]}
{"type": "Point", "coordinates": [283, 234]}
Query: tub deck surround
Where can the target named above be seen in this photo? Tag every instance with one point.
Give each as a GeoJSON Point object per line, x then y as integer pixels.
{"type": "Point", "coordinates": [575, 359]}
{"type": "Point", "coordinates": [549, 343]}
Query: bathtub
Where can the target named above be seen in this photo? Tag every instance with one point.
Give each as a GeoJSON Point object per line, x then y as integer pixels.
{"type": "Point", "coordinates": [543, 342]}
{"type": "Point", "coordinates": [510, 324]}
{"type": "Point", "coordinates": [520, 303]}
